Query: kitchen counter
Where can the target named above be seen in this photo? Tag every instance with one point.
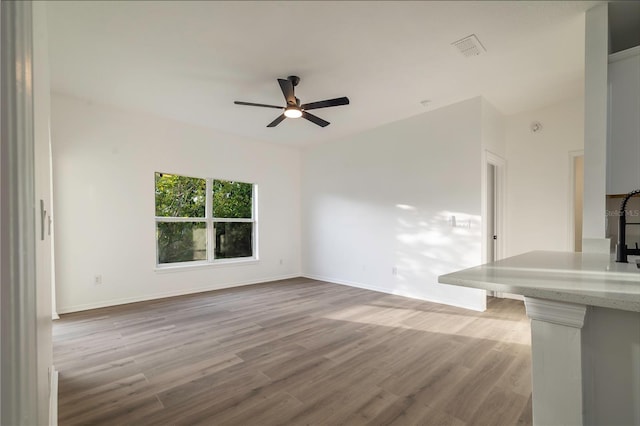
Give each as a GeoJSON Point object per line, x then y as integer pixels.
{"type": "Point", "coordinates": [582, 278]}
{"type": "Point", "coordinates": [585, 332]}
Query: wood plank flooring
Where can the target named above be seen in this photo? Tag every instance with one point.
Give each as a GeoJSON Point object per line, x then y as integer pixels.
{"type": "Point", "coordinates": [294, 352]}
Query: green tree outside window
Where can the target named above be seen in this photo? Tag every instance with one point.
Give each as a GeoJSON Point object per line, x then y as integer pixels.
{"type": "Point", "coordinates": [183, 225]}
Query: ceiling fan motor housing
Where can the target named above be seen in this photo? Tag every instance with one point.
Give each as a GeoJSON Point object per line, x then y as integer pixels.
{"type": "Point", "coordinates": [294, 79]}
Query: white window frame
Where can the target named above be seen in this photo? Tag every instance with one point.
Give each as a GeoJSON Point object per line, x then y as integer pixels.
{"type": "Point", "coordinates": [210, 220]}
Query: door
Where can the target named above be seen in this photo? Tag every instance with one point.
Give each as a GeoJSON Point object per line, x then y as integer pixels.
{"type": "Point", "coordinates": [493, 213]}
{"type": "Point", "coordinates": [491, 234]}
{"type": "Point", "coordinates": [493, 187]}
{"type": "Point", "coordinates": [577, 160]}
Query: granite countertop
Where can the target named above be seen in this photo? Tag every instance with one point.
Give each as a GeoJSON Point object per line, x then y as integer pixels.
{"type": "Point", "coordinates": [583, 278]}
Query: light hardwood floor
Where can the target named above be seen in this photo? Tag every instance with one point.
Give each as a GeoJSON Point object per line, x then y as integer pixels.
{"type": "Point", "coordinates": [294, 352]}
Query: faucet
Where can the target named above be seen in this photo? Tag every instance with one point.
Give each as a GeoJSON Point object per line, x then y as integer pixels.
{"type": "Point", "coordinates": [621, 248]}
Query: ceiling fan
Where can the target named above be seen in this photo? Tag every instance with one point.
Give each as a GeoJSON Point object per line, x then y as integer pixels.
{"type": "Point", "coordinates": [293, 108]}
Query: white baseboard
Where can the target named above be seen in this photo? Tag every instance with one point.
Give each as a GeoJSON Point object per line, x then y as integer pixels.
{"type": "Point", "coordinates": [115, 302]}
{"type": "Point", "coordinates": [143, 298]}
{"type": "Point", "coordinates": [53, 396]}
{"type": "Point", "coordinates": [386, 291]}
{"type": "Point", "coordinates": [509, 296]}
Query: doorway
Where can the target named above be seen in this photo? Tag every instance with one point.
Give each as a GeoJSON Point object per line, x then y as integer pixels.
{"type": "Point", "coordinates": [491, 234]}
{"type": "Point", "coordinates": [576, 159]}
{"type": "Point", "coordinates": [493, 205]}
{"type": "Point", "coordinates": [493, 187]}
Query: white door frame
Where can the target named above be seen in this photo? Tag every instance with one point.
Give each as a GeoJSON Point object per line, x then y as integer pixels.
{"type": "Point", "coordinates": [18, 331]}
{"type": "Point", "coordinates": [572, 188]}
{"type": "Point", "coordinates": [500, 164]}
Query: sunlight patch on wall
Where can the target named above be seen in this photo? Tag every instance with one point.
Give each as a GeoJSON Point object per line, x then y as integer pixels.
{"type": "Point", "coordinates": [437, 242]}
{"type": "Point", "coordinates": [405, 207]}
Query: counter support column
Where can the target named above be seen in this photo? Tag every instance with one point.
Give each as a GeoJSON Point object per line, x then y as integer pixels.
{"type": "Point", "coordinates": [556, 354]}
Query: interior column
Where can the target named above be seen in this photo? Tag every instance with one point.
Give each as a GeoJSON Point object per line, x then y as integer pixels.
{"type": "Point", "coordinates": [556, 353]}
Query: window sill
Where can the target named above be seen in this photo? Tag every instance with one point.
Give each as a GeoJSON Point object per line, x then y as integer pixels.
{"type": "Point", "coordinates": [206, 265]}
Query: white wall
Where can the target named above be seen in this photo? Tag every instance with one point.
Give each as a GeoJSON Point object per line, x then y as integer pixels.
{"type": "Point", "coordinates": [383, 199]}
{"type": "Point", "coordinates": [595, 121]}
{"type": "Point", "coordinates": [493, 136]}
{"type": "Point", "coordinates": [539, 176]}
{"type": "Point", "coordinates": [41, 121]}
{"type": "Point", "coordinates": [104, 161]}
{"type": "Point", "coordinates": [372, 203]}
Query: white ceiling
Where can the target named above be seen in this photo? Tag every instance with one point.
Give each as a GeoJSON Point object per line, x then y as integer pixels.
{"type": "Point", "coordinates": [190, 60]}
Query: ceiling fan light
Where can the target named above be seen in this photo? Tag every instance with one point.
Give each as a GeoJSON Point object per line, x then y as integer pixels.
{"type": "Point", "coordinates": [292, 112]}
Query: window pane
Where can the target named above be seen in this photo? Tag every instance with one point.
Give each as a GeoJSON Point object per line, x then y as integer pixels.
{"type": "Point", "coordinates": [180, 196]}
{"type": "Point", "coordinates": [233, 239]}
{"type": "Point", "coordinates": [232, 199]}
{"type": "Point", "coordinates": [181, 241]}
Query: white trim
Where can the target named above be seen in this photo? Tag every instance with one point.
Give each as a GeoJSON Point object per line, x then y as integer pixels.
{"type": "Point", "coordinates": [572, 196]}
{"type": "Point", "coordinates": [561, 313]}
{"type": "Point", "coordinates": [201, 219]}
{"type": "Point", "coordinates": [624, 54]}
{"type": "Point", "coordinates": [203, 264]}
{"type": "Point", "coordinates": [254, 216]}
{"type": "Point", "coordinates": [3, 256]}
{"type": "Point", "coordinates": [211, 230]}
{"type": "Point", "coordinates": [123, 301]}
{"type": "Point", "coordinates": [54, 309]}
{"type": "Point", "coordinates": [180, 219]}
{"type": "Point", "coordinates": [500, 169]}
{"type": "Point", "coordinates": [449, 302]}
{"type": "Point", "coordinates": [18, 332]}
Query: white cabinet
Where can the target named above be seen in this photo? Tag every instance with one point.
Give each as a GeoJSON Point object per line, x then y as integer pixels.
{"type": "Point", "coordinates": [623, 145]}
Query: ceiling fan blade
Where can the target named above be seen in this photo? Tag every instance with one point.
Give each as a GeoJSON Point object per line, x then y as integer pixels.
{"type": "Point", "coordinates": [327, 103]}
{"type": "Point", "coordinates": [314, 119]}
{"type": "Point", "coordinates": [258, 105]}
{"type": "Point", "coordinates": [277, 121]}
{"type": "Point", "coordinates": [287, 91]}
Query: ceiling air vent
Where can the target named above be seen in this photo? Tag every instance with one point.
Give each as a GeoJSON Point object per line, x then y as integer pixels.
{"type": "Point", "coordinates": [469, 46]}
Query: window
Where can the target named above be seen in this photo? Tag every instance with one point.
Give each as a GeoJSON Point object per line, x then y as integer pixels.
{"type": "Point", "coordinates": [203, 220]}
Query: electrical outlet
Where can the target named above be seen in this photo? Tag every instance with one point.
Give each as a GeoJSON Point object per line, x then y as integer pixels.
{"type": "Point", "coordinates": [97, 280]}
{"type": "Point", "coordinates": [394, 271]}
{"type": "Point", "coordinates": [281, 262]}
